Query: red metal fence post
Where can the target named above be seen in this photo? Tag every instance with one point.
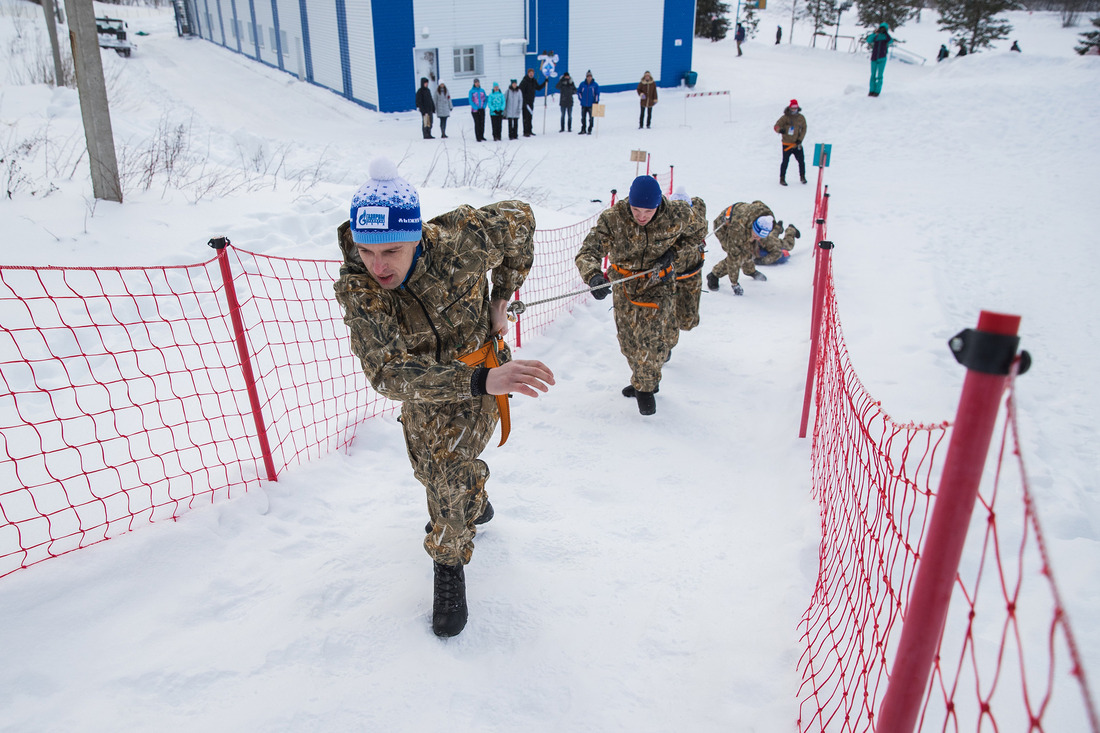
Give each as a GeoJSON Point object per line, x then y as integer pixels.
{"type": "Point", "coordinates": [821, 269]}
{"type": "Point", "coordinates": [220, 243]}
{"type": "Point", "coordinates": [987, 353]}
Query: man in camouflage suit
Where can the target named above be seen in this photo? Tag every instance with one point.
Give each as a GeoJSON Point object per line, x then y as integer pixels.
{"type": "Point", "coordinates": [742, 228]}
{"type": "Point", "coordinates": [416, 300]}
{"type": "Point", "coordinates": [643, 232]}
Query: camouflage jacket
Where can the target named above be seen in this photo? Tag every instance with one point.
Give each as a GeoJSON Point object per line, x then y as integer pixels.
{"type": "Point", "coordinates": [409, 339]}
{"type": "Point", "coordinates": [733, 227]}
{"type": "Point", "coordinates": [699, 210]}
{"type": "Point", "coordinates": [636, 248]}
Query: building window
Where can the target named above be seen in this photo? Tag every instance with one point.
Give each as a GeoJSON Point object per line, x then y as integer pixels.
{"type": "Point", "coordinates": [467, 61]}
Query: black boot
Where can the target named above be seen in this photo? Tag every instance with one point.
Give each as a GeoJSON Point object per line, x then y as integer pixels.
{"type": "Point", "coordinates": [759, 277]}
{"type": "Point", "coordinates": [782, 181]}
{"type": "Point", "coordinates": [629, 391]}
{"type": "Point", "coordinates": [647, 405]}
{"type": "Point", "coordinates": [485, 517]}
{"type": "Point", "coordinates": [449, 611]}
{"type": "Point", "coordinates": [712, 281]}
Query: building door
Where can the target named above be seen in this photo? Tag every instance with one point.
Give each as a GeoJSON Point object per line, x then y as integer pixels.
{"type": "Point", "coordinates": [427, 66]}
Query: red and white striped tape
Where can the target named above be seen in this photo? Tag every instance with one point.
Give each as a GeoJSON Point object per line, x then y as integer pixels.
{"type": "Point", "coordinates": [706, 94]}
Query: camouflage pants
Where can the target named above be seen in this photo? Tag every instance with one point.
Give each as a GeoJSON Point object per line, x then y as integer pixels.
{"type": "Point", "coordinates": [687, 300]}
{"type": "Point", "coordinates": [647, 329]}
{"type": "Point", "coordinates": [773, 246]}
{"type": "Point", "coordinates": [444, 441]}
{"type": "Point", "coordinates": [734, 264]}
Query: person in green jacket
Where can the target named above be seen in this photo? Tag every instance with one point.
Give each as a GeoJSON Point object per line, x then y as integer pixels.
{"type": "Point", "coordinates": [880, 42]}
{"type": "Point", "coordinates": [496, 111]}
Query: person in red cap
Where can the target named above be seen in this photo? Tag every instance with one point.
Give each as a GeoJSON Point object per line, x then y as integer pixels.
{"type": "Point", "coordinates": [792, 126]}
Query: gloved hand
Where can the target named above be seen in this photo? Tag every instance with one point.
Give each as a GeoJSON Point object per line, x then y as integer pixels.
{"type": "Point", "coordinates": [666, 273]}
{"type": "Point", "coordinates": [597, 280]}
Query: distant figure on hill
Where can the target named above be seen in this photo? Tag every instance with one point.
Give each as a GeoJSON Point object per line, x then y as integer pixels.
{"type": "Point", "coordinates": [962, 49]}
{"type": "Point", "coordinates": [739, 36]}
{"type": "Point", "coordinates": [1015, 47]}
{"type": "Point", "coordinates": [880, 42]}
{"type": "Point", "coordinates": [944, 53]}
{"type": "Point", "coordinates": [778, 34]}
{"type": "Point", "coordinates": [792, 126]}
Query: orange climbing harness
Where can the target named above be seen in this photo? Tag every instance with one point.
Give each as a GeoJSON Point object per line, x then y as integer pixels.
{"type": "Point", "coordinates": [487, 356]}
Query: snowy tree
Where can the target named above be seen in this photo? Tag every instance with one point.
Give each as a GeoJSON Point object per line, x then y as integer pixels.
{"type": "Point", "coordinates": [711, 19]}
{"type": "Point", "coordinates": [974, 23]}
{"type": "Point", "coordinates": [822, 13]}
{"type": "Point", "coordinates": [750, 21]}
{"type": "Point", "coordinates": [1090, 40]}
{"type": "Point", "coordinates": [891, 12]}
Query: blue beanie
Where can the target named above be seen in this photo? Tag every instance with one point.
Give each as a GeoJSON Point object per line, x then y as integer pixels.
{"type": "Point", "coordinates": [386, 208]}
{"type": "Point", "coordinates": [645, 192]}
{"type": "Point", "coordinates": [762, 227]}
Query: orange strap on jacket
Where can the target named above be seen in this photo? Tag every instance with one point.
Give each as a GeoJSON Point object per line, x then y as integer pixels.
{"type": "Point", "coordinates": [790, 146]}
{"type": "Point", "coordinates": [627, 273]}
{"type": "Point", "coordinates": [487, 356]}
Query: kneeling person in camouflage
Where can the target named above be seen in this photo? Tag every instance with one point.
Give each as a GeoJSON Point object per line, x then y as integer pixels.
{"type": "Point", "coordinates": [652, 237]}
{"type": "Point", "coordinates": [741, 228]}
{"type": "Point", "coordinates": [426, 327]}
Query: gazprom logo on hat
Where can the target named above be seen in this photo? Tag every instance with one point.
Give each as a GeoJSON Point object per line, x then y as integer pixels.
{"type": "Point", "coordinates": [372, 217]}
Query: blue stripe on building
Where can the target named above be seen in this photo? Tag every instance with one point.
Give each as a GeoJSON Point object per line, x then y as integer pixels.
{"type": "Point", "coordinates": [395, 69]}
{"type": "Point", "coordinates": [548, 30]}
{"type": "Point", "coordinates": [278, 34]}
{"type": "Point", "coordinates": [305, 40]}
{"type": "Point", "coordinates": [679, 26]}
{"type": "Point", "coordinates": [345, 53]}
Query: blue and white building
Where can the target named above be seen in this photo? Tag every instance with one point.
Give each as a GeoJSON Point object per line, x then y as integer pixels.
{"type": "Point", "coordinates": [374, 52]}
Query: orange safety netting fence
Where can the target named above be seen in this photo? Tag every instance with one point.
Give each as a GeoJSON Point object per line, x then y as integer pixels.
{"type": "Point", "coordinates": [131, 394]}
{"type": "Point", "coordinates": [1007, 659]}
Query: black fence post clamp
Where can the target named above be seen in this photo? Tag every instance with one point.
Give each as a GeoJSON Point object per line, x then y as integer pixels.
{"type": "Point", "coordinates": [989, 353]}
{"type": "Point", "coordinates": [219, 243]}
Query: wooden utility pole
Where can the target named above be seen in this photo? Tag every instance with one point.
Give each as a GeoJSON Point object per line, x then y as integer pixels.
{"type": "Point", "coordinates": [93, 100]}
{"type": "Point", "coordinates": [51, 27]}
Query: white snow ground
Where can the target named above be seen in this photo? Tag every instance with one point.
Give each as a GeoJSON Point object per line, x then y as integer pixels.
{"type": "Point", "coordinates": [641, 574]}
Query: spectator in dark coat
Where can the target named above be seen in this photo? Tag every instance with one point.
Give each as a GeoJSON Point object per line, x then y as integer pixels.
{"type": "Point", "coordinates": [739, 36]}
{"type": "Point", "coordinates": [426, 105]}
{"type": "Point", "coordinates": [778, 34]}
{"type": "Point", "coordinates": [647, 97]}
{"type": "Point", "coordinates": [528, 87]}
{"type": "Point", "coordinates": [566, 90]}
{"type": "Point", "coordinates": [944, 53]}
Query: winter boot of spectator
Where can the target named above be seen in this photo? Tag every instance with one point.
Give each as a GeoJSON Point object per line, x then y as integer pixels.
{"type": "Point", "coordinates": [449, 611]}
{"type": "Point", "coordinates": [712, 281]}
{"type": "Point", "coordinates": [792, 229]}
{"type": "Point", "coordinates": [759, 277]}
{"type": "Point", "coordinates": [737, 289]}
{"type": "Point", "coordinates": [803, 179]}
{"type": "Point", "coordinates": [482, 519]}
{"type": "Point", "coordinates": [782, 181]}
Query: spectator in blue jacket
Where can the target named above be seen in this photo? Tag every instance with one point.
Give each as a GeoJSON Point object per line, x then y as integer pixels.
{"type": "Point", "coordinates": [880, 42]}
{"type": "Point", "coordinates": [479, 100]}
{"type": "Point", "coordinates": [588, 94]}
{"type": "Point", "coordinates": [496, 111]}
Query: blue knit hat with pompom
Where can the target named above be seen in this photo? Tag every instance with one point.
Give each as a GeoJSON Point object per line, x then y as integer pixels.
{"type": "Point", "coordinates": [386, 208]}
